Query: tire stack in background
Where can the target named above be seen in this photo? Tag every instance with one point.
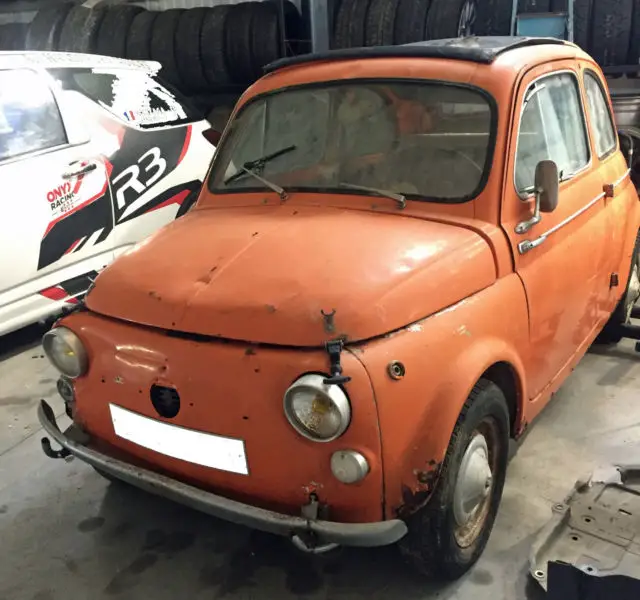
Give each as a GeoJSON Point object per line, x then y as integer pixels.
{"type": "Point", "coordinates": [207, 50]}
{"type": "Point", "coordinates": [200, 49]}
{"type": "Point", "coordinates": [608, 29]}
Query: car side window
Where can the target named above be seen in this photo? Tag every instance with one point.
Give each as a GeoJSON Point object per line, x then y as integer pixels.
{"type": "Point", "coordinates": [552, 127]}
{"type": "Point", "coordinates": [29, 117]}
{"type": "Point", "coordinates": [601, 122]}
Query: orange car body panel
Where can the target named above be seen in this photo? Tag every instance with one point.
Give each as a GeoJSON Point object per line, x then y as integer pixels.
{"type": "Point", "coordinates": [226, 304]}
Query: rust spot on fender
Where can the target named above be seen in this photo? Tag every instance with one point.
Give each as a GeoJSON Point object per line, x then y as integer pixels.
{"type": "Point", "coordinates": [250, 352]}
{"type": "Point", "coordinates": [416, 495]}
{"type": "Point", "coordinates": [155, 295]}
{"type": "Point", "coordinates": [270, 308]}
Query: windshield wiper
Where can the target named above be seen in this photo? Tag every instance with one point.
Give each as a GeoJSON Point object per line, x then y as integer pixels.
{"type": "Point", "coordinates": [399, 198]}
{"type": "Point", "coordinates": [256, 166]}
{"type": "Point", "coordinates": [275, 187]}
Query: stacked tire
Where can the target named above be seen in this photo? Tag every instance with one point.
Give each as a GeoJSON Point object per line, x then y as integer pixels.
{"type": "Point", "coordinates": [12, 36]}
{"type": "Point", "coordinates": [200, 49]}
{"type": "Point", "coordinates": [390, 22]}
{"type": "Point", "coordinates": [607, 29]}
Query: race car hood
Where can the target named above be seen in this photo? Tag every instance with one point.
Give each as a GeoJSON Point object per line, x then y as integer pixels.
{"type": "Point", "coordinates": [294, 276]}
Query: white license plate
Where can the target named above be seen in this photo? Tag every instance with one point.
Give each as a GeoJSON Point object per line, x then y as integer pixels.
{"type": "Point", "coordinates": [206, 449]}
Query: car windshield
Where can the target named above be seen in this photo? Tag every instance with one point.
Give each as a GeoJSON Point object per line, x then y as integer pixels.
{"type": "Point", "coordinates": [424, 140]}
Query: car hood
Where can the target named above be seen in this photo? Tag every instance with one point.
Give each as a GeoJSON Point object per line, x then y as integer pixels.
{"type": "Point", "coordinates": [294, 276]}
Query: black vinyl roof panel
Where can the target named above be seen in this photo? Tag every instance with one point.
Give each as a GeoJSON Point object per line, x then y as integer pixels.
{"type": "Point", "coordinates": [482, 50]}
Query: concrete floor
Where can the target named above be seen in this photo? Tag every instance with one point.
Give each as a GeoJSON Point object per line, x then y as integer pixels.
{"type": "Point", "coordinates": [66, 533]}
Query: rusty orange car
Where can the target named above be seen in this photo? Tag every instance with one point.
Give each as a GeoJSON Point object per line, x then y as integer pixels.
{"type": "Point", "coordinates": [398, 256]}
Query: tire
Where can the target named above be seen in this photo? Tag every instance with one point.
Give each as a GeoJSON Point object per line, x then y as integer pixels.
{"type": "Point", "coordinates": [611, 333]}
{"type": "Point", "coordinates": [493, 17]}
{"type": "Point", "coordinates": [435, 544]}
{"type": "Point", "coordinates": [381, 23]}
{"type": "Point", "coordinates": [44, 31]}
{"type": "Point", "coordinates": [114, 30]}
{"type": "Point", "coordinates": [351, 22]}
{"type": "Point", "coordinates": [265, 37]}
{"type": "Point", "coordinates": [13, 36]}
{"type": "Point", "coordinates": [80, 30]}
{"type": "Point", "coordinates": [582, 23]}
{"type": "Point", "coordinates": [139, 36]}
{"type": "Point", "coordinates": [534, 6]}
{"type": "Point", "coordinates": [294, 30]}
{"type": "Point", "coordinates": [213, 56]}
{"type": "Point", "coordinates": [187, 39]}
{"type": "Point", "coordinates": [238, 42]}
{"type": "Point", "coordinates": [611, 31]}
{"type": "Point", "coordinates": [411, 21]}
{"type": "Point", "coordinates": [633, 57]}
{"type": "Point", "coordinates": [163, 45]}
{"type": "Point", "coordinates": [451, 18]}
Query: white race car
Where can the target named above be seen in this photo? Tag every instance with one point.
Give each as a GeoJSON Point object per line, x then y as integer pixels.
{"type": "Point", "coordinates": [95, 154]}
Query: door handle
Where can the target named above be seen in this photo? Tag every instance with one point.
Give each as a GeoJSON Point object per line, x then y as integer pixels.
{"type": "Point", "coordinates": [79, 171]}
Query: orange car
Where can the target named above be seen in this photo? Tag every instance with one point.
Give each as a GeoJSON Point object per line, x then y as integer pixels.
{"type": "Point", "coordinates": [399, 255]}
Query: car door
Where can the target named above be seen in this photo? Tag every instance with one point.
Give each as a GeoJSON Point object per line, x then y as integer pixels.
{"type": "Point", "coordinates": [563, 272]}
{"type": "Point", "coordinates": [56, 207]}
{"type": "Point", "coordinates": [614, 173]}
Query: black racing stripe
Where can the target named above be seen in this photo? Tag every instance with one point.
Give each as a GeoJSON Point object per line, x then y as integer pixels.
{"type": "Point", "coordinates": [163, 197]}
{"type": "Point", "coordinates": [82, 243]}
{"type": "Point", "coordinates": [103, 235]}
{"type": "Point", "coordinates": [135, 144]}
{"type": "Point", "coordinates": [78, 285]}
{"type": "Point", "coordinates": [94, 216]}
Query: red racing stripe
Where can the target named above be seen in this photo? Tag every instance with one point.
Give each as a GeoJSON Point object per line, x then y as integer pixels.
{"type": "Point", "coordinates": [56, 294]}
{"type": "Point", "coordinates": [185, 147]}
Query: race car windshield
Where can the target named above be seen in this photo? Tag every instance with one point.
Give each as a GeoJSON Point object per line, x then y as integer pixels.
{"type": "Point", "coordinates": [420, 140]}
{"type": "Point", "coordinates": [134, 96]}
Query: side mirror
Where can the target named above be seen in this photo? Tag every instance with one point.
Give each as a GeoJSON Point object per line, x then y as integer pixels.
{"type": "Point", "coordinates": [212, 136]}
{"type": "Point", "coordinates": [547, 191]}
{"type": "Point", "coordinates": [547, 184]}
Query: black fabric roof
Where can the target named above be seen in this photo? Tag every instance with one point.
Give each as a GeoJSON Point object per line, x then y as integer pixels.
{"type": "Point", "coordinates": [474, 49]}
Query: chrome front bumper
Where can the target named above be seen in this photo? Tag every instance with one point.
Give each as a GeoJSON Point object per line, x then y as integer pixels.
{"type": "Point", "coordinates": [307, 534]}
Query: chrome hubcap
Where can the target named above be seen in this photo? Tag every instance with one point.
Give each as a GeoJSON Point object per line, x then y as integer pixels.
{"type": "Point", "coordinates": [633, 293]}
{"type": "Point", "coordinates": [474, 481]}
{"type": "Point", "coordinates": [467, 19]}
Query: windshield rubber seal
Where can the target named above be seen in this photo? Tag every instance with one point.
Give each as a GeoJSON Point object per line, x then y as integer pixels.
{"type": "Point", "coordinates": [491, 144]}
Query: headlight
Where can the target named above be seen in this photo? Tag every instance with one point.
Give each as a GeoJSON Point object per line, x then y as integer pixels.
{"type": "Point", "coordinates": [315, 410]}
{"type": "Point", "coordinates": [65, 351]}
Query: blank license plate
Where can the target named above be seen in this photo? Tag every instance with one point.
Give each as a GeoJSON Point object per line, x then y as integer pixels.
{"type": "Point", "coordinates": [206, 449]}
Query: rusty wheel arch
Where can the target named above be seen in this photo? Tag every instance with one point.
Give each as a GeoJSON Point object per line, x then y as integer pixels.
{"type": "Point", "coordinates": [505, 376]}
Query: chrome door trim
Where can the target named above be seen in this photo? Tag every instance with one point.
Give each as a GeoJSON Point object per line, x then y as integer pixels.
{"type": "Point", "coordinates": [525, 246]}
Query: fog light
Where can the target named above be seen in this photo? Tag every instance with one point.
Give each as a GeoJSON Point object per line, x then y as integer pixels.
{"type": "Point", "coordinates": [349, 466]}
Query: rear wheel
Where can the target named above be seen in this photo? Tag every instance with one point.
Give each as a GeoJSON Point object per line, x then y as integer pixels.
{"type": "Point", "coordinates": [612, 334]}
{"type": "Point", "coordinates": [449, 534]}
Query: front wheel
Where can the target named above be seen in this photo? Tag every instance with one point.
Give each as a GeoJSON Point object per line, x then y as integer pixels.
{"type": "Point", "coordinates": [449, 534]}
